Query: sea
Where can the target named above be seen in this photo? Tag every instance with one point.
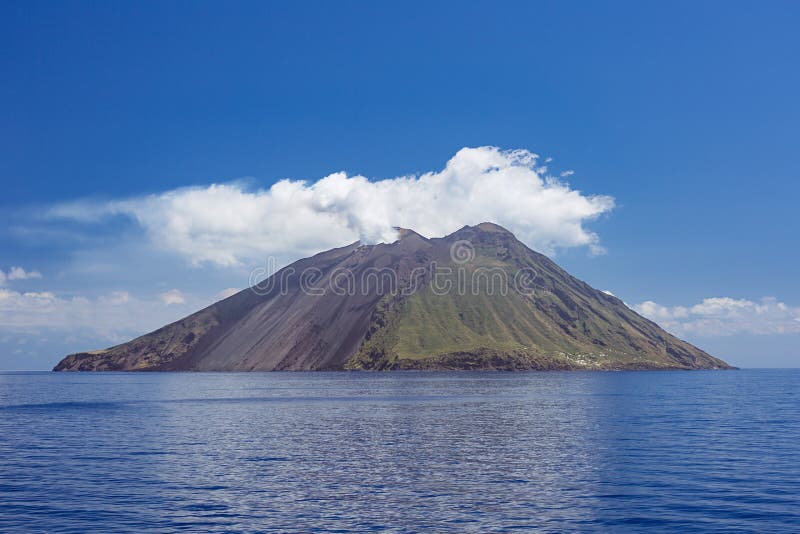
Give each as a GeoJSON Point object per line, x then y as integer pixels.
{"type": "Point", "coordinates": [700, 451]}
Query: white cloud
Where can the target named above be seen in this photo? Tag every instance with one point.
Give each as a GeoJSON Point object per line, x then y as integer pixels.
{"type": "Point", "coordinates": [173, 296]}
{"type": "Point", "coordinates": [116, 297]}
{"type": "Point", "coordinates": [228, 292]}
{"type": "Point", "coordinates": [114, 317]}
{"type": "Point", "coordinates": [723, 316]}
{"type": "Point", "coordinates": [18, 273]}
{"type": "Point", "coordinates": [226, 224]}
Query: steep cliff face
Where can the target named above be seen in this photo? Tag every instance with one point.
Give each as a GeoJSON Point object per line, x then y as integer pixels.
{"type": "Point", "coordinates": [476, 299]}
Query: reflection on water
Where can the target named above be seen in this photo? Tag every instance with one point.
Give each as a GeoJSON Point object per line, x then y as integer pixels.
{"type": "Point", "coordinates": [401, 451]}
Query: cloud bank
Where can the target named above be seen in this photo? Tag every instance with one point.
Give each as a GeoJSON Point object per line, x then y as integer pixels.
{"type": "Point", "coordinates": [18, 273]}
{"type": "Point", "coordinates": [111, 318]}
{"type": "Point", "coordinates": [227, 224]}
{"type": "Point", "coordinates": [724, 316]}
{"type": "Point", "coordinates": [173, 296]}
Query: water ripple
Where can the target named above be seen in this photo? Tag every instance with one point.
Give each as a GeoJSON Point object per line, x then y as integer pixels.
{"type": "Point", "coordinates": [400, 452]}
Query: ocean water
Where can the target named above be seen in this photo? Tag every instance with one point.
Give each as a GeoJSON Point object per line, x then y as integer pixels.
{"type": "Point", "coordinates": [402, 451]}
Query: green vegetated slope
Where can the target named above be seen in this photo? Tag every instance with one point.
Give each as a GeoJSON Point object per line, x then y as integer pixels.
{"type": "Point", "coordinates": [554, 322]}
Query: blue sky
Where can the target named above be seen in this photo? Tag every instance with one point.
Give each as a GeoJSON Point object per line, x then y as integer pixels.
{"type": "Point", "coordinates": [686, 113]}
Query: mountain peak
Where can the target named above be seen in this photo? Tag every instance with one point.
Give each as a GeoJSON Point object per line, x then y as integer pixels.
{"type": "Point", "coordinates": [485, 229]}
{"type": "Point", "coordinates": [491, 227]}
{"type": "Point", "coordinates": [405, 233]}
